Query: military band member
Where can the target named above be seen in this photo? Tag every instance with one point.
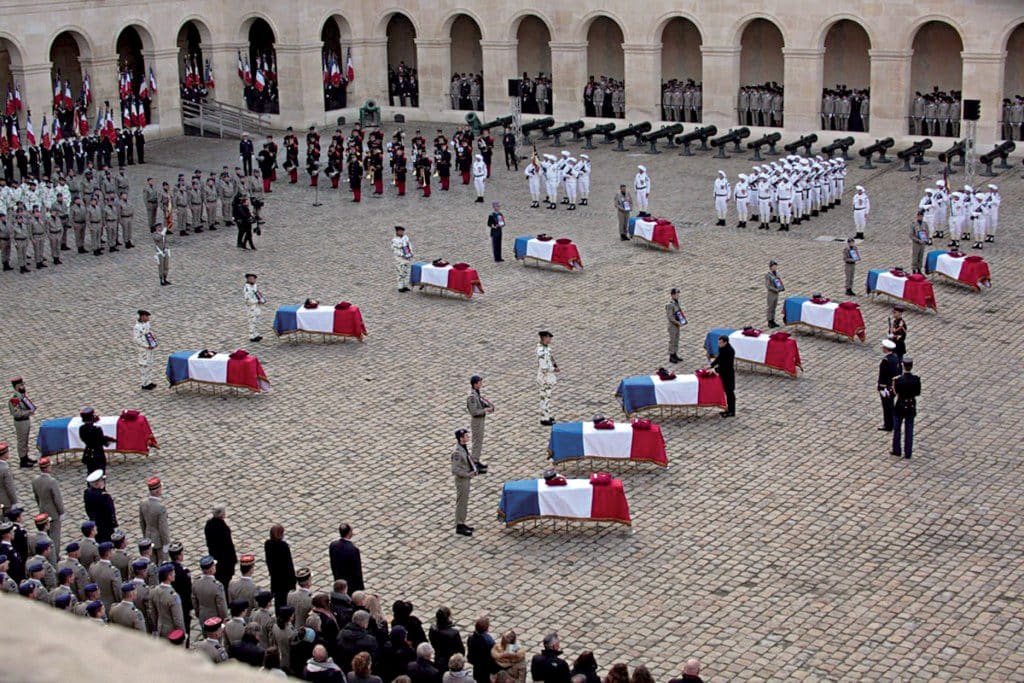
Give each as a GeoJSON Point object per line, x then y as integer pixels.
{"type": "Point", "coordinates": [463, 469]}
{"type": "Point", "coordinates": [22, 409]}
{"type": "Point", "coordinates": [479, 408]}
{"type": "Point", "coordinates": [401, 250]}
{"type": "Point", "coordinates": [254, 301]}
{"type": "Point", "coordinates": [547, 376]}
{"type": "Point", "coordinates": [676, 319]}
{"type": "Point", "coordinates": [145, 344]}
{"type": "Point", "coordinates": [851, 255]}
{"type": "Point", "coordinates": [773, 285]}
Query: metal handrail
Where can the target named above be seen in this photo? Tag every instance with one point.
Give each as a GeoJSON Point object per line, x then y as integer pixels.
{"type": "Point", "coordinates": [225, 120]}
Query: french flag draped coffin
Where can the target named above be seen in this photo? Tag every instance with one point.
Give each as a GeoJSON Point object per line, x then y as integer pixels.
{"type": "Point", "coordinates": [578, 440]}
{"type": "Point", "coordinates": [842, 318]}
{"type": "Point", "coordinates": [237, 369]}
{"type": "Point", "coordinates": [533, 499]}
{"type": "Point", "coordinates": [658, 230]}
{"type": "Point", "coordinates": [970, 270]}
{"type": "Point", "coordinates": [914, 289]}
{"type": "Point", "coordinates": [561, 252]}
{"type": "Point", "coordinates": [343, 320]}
{"type": "Point", "coordinates": [458, 278]}
{"type": "Point", "coordinates": [648, 391]}
{"type": "Point", "coordinates": [777, 350]}
{"type": "Point", "coordinates": [130, 428]}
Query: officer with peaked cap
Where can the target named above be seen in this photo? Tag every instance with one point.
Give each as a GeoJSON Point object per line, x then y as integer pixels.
{"type": "Point", "coordinates": [99, 505]}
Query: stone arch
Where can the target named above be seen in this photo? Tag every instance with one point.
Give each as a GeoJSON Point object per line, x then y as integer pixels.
{"type": "Point", "coordinates": [761, 44]}
{"type": "Point", "coordinates": [448, 23]}
{"type": "Point", "coordinates": [336, 35]}
{"type": "Point", "coordinates": [606, 62]}
{"type": "Point", "coordinates": [847, 59]}
{"type": "Point", "coordinates": [401, 33]}
{"type": "Point", "coordinates": [522, 15]}
{"type": "Point", "coordinates": [911, 33]}
{"type": "Point", "coordinates": [1013, 81]}
{"type": "Point", "coordinates": [245, 27]}
{"type": "Point", "coordinates": [192, 34]}
{"type": "Point", "coordinates": [533, 63]}
{"type": "Point", "coordinates": [826, 26]}
{"type": "Point", "coordinates": [261, 36]}
{"type": "Point", "coordinates": [681, 69]}
{"type": "Point", "coordinates": [146, 40]}
{"type": "Point", "coordinates": [130, 44]}
{"type": "Point", "coordinates": [584, 25]}
{"type": "Point", "coordinates": [936, 65]}
{"type": "Point", "coordinates": [69, 49]}
{"type": "Point", "coordinates": [11, 57]}
{"type": "Point", "coordinates": [665, 19]}
{"type": "Point", "coordinates": [744, 23]}
{"type": "Point", "coordinates": [388, 15]}
{"type": "Point", "coordinates": [467, 61]}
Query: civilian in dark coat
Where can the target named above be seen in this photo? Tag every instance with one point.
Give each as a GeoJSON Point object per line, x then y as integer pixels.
{"type": "Point", "coordinates": [341, 604]}
{"type": "Point", "coordinates": [691, 673]}
{"type": "Point", "coordinates": [395, 656]}
{"type": "Point", "coordinates": [445, 638]}
{"type": "Point", "coordinates": [586, 665]}
{"type": "Point", "coordinates": [478, 647]}
{"type": "Point", "coordinates": [422, 669]}
{"type": "Point", "coordinates": [248, 650]}
{"type": "Point", "coordinates": [401, 613]}
{"type": "Point", "coordinates": [725, 364]}
{"type": "Point", "coordinates": [548, 666]}
{"type": "Point", "coordinates": [353, 639]}
{"type": "Point", "coordinates": [346, 562]}
{"type": "Point", "coordinates": [221, 545]}
{"type": "Point", "coordinates": [279, 565]}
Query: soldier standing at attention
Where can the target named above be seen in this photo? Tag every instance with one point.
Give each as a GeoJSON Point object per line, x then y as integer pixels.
{"type": "Point", "coordinates": [245, 152]}
{"type": "Point", "coordinates": [773, 285]}
{"type": "Point", "coordinates": [151, 195]}
{"type": "Point", "coordinates": [496, 221]}
{"type": "Point", "coordinates": [547, 376]}
{"type": "Point", "coordinates": [210, 198]}
{"type": "Point", "coordinates": [161, 235]}
{"type": "Point", "coordinates": [95, 216]}
{"type": "Point", "coordinates": [401, 249]}
{"type": "Point", "coordinates": [167, 603]}
{"type": "Point", "coordinates": [254, 301]}
{"type": "Point", "coordinates": [145, 343]}
{"type": "Point", "coordinates": [850, 257]}
{"type": "Point", "coordinates": [195, 204]}
{"type": "Point", "coordinates": [8, 492]}
{"type": "Point", "coordinates": [208, 593]}
{"type": "Point", "coordinates": [48, 498]}
{"type": "Point", "coordinates": [124, 214]}
{"type": "Point", "coordinates": [907, 388]}
{"type": "Point", "coordinates": [479, 408]}
{"type": "Point", "coordinates": [463, 469]}
{"type": "Point", "coordinates": [22, 409]}
{"type": "Point", "coordinates": [676, 320]}
{"type": "Point", "coordinates": [153, 519]}
{"type": "Point", "coordinates": [861, 209]}
{"type": "Point", "coordinates": [623, 207]}
{"type": "Point", "coordinates": [918, 239]}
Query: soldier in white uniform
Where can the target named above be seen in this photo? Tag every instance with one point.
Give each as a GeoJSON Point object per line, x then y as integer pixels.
{"type": "Point", "coordinates": [254, 301]}
{"type": "Point", "coordinates": [401, 249]}
{"type": "Point", "coordinates": [764, 203]}
{"type": "Point", "coordinates": [642, 185]}
{"type": "Point", "coordinates": [956, 218]}
{"type": "Point", "coordinates": [533, 175]}
{"type": "Point", "coordinates": [547, 376]}
{"type": "Point", "coordinates": [928, 206]}
{"type": "Point", "coordinates": [721, 192]}
{"type": "Point", "coordinates": [995, 199]}
{"type": "Point", "coordinates": [741, 192]}
{"type": "Point", "coordinates": [145, 343]}
{"type": "Point", "coordinates": [479, 177]}
{"type": "Point", "coordinates": [583, 181]}
{"type": "Point", "coordinates": [861, 211]}
{"type": "Point", "coordinates": [940, 200]}
{"type": "Point", "coordinates": [784, 191]}
{"type": "Point", "coordinates": [571, 181]}
{"type": "Point", "coordinates": [550, 168]}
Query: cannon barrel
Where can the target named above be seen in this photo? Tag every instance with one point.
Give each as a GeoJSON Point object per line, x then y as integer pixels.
{"type": "Point", "coordinates": [537, 124]}
{"type": "Point", "coordinates": [915, 149]}
{"type": "Point", "coordinates": [701, 134]}
{"type": "Point", "coordinates": [588, 133]}
{"type": "Point", "coordinates": [499, 122]}
{"type": "Point", "coordinates": [956, 150]}
{"type": "Point", "coordinates": [733, 136]}
{"type": "Point", "coordinates": [1000, 152]}
{"type": "Point", "coordinates": [838, 145]}
{"type": "Point", "coordinates": [806, 141]}
{"type": "Point", "coordinates": [880, 146]}
{"type": "Point", "coordinates": [764, 140]}
{"type": "Point", "coordinates": [636, 129]}
{"type": "Point", "coordinates": [663, 132]}
{"type": "Point", "coordinates": [570, 127]}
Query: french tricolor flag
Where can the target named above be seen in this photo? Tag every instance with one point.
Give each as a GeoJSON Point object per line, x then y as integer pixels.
{"type": "Point", "coordinates": [130, 429]}
{"type": "Point", "coordinates": [237, 369]}
{"type": "Point", "coordinates": [577, 499]}
{"type": "Point", "coordinates": [30, 133]}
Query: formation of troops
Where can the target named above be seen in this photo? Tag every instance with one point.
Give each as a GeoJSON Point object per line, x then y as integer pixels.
{"type": "Point", "coordinates": [1013, 118]}
{"type": "Point", "coordinates": [760, 105]}
{"type": "Point", "coordinates": [466, 91]}
{"type": "Point", "coordinates": [845, 109]}
{"type": "Point", "coordinates": [788, 191]}
{"type": "Point", "coordinates": [403, 86]}
{"type": "Point", "coordinates": [605, 97]}
{"type": "Point", "coordinates": [968, 215]}
{"type": "Point", "coordinates": [681, 101]}
{"type": "Point", "coordinates": [936, 113]}
{"type": "Point", "coordinates": [553, 173]}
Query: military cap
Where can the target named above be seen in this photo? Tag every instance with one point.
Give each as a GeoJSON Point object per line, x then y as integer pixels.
{"type": "Point", "coordinates": [153, 483]}
{"type": "Point", "coordinates": [899, 308]}
{"type": "Point", "coordinates": [177, 636]}
{"type": "Point", "coordinates": [888, 344]}
{"type": "Point", "coordinates": [42, 544]}
{"type": "Point", "coordinates": [14, 512]}
{"type": "Point", "coordinates": [207, 562]}
{"type": "Point", "coordinates": [94, 476]}
{"type": "Point", "coordinates": [544, 333]}
{"type": "Point", "coordinates": [88, 415]}
{"type": "Point", "coordinates": [16, 381]}
{"type": "Point", "coordinates": [247, 560]}
{"type": "Point", "coordinates": [238, 606]}
{"type": "Point", "coordinates": [106, 546]}
{"type": "Point", "coordinates": [459, 433]}
{"type": "Point", "coordinates": [175, 547]}
{"type": "Point", "coordinates": [36, 566]}
{"type": "Point", "coordinates": [41, 519]}
{"type": "Point", "coordinates": [128, 587]}
{"type": "Point", "coordinates": [399, 228]}
{"type": "Point", "coordinates": [303, 574]}
{"type": "Point", "coordinates": [164, 570]}
{"type": "Point", "coordinates": [72, 547]}
{"type": "Point", "coordinates": [90, 588]}
{"type": "Point", "coordinates": [117, 536]}
{"type": "Point", "coordinates": [88, 525]}
{"type": "Point", "coordinates": [62, 601]}
{"type": "Point", "coordinates": [212, 624]}
{"type": "Point", "coordinates": [26, 587]}
{"type": "Point", "coordinates": [263, 598]}
{"type": "Point", "coordinates": [94, 607]}
{"type": "Point", "coordinates": [140, 564]}
{"type": "Point", "coordinates": [6, 527]}
{"type": "Point", "coordinates": [44, 462]}
{"type": "Point", "coordinates": [674, 290]}
{"type": "Point", "coordinates": [773, 262]}
{"type": "Point", "coordinates": [145, 544]}
{"type": "Point", "coordinates": [252, 275]}
{"type": "Point", "coordinates": [142, 312]}
{"type": "Point", "coordinates": [65, 571]}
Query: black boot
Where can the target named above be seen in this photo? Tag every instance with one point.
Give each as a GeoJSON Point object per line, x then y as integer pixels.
{"type": "Point", "coordinates": [673, 358]}
{"type": "Point", "coordinates": [42, 264]}
{"type": "Point", "coordinates": [23, 269]}
{"type": "Point", "coordinates": [56, 261]}
{"type": "Point", "coordinates": [7, 266]}
{"type": "Point", "coordinates": [129, 245]}
{"type": "Point", "coordinates": [859, 236]}
{"type": "Point", "coordinates": [990, 238]}
{"type": "Point", "coordinates": [65, 247]}
{"type": "Point", "coordinates": [81, 249]}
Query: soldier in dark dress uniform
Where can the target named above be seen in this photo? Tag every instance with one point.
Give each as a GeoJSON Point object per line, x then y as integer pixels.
{"type": "Point", "coordinates": [724, 364]}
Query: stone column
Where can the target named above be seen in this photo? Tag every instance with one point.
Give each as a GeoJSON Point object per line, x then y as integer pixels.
{"type": "Point", "coordinates": [568, 76]}
{"type": "Point", "coordinates": [890, 93]}
{"type": "Point", "coordinates": [720, 74]}
{"type": "Point", "coordinates": [300, 85]}
{"type": "Point", "coordinates": [370, 62]}
{"type": "Point", "coordinates": [500, 60]}
{"type": "Point", "coordinates": [36, 94]}
{"type": "Point", "coordinates": [165, 104]}
{"type": "Point", "coordinates": [802, 76]}
{"type": "Point", "coordinates": [643, 82]}
{"type": "Point", "coordinates": [983, 80]}
{"type": "Point", "coordinates": [434, 68]}
{"type": "Point", "coordinates": [224, 62]}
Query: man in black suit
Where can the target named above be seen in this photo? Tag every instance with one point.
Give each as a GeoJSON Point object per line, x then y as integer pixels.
{"type": "Point", "coordinates": [725, 365]}
{"type": "Point", "coordinates": [907, 387]}
{"type": "Point", "coordinates": [221, 545]}
{"type": "Point", "coordinates": [346, 562]}
{"type": "Point", "coordinates": [246, 151]}
{"type": "Point", "coordinates": [888, 370]}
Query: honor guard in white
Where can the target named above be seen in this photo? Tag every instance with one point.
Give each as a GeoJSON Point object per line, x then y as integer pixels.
{"type": "Point", "coordinates": [563, 172]}
{"type": "Point", "coordinates": [550, 167]}
{"type": "Point", "coordinates": [145, 344]}
{"type": "Point", "coordinates": [583, 181]}
{"type": "Point", "coordinates": [642, 185]}
{"type": "Point", "coordinates": [940, 199]}
{"type": "Point", "coordinates": [479, 176]}
{"type": "Point", "coordinates": [928, 206]}
{"type": "Point", "coordinates": [401, 249]}
{"type": "Point", "coordinates": [994, 199]}
{"type": "Point", "coordinates": [957, 212]}
{"type": "Point", "coordinates": [547, 376]}
{"type": "Point", "coordinates": [722, 192]}
{"type": "Point", "coordinates": [254, 301]}
{"type": "Point", "coordinates": [571, 182]}
{"type": "Point", "coordinates": [980, 219]}
{"type": "Point", "coordinates": [861, 210]}
{"type": "Point", "coordinates": [741, 192]}
{"type": "Point", "coordinates": [533, 175]}
{"type": "Point", "coordinates": [764, 203]}
{"type": "Point", "coordinates": [784, 192]}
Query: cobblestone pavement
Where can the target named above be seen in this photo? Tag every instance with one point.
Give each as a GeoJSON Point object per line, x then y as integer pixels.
{"type": "Point", "coordinates": [784, 544]}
